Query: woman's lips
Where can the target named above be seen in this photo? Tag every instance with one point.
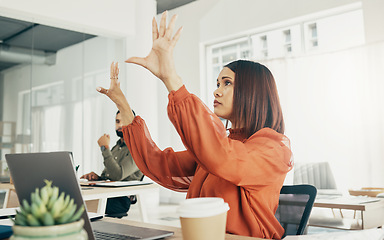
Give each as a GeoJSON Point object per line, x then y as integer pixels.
{"type": "Point", "coordinates": [216, 103]}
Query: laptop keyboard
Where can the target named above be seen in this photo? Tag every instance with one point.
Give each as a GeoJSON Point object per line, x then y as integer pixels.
{"type": "Point", "coordinates": [113, 236]}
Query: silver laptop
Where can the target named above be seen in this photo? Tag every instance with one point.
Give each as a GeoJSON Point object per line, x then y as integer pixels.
{"type": "Point", "coordinates": [28, 171]}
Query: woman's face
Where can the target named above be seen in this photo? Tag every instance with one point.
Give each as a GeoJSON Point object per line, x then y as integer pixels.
{"type": "Point", "coordinates": [223, 103]}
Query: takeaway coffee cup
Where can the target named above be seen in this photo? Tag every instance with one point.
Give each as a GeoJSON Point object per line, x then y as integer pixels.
{"type": "Point", "coordinates": [203, 218]}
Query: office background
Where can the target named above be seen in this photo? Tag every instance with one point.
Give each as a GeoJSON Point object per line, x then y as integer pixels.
{"type": "Point", "coordinates": [326, 57]}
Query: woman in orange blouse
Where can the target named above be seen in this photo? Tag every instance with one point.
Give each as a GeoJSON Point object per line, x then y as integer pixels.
{"type": "Point", "coordinates": [246, 168]}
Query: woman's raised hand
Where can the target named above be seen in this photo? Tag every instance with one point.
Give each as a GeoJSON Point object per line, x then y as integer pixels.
{"type": "Point", "coordinates": [117, 96]}
{"type": "Point", "coordinates": [160, 60]}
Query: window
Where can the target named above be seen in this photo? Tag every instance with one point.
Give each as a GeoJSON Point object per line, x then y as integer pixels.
{"type": "Point", "coordinates": [313, 38]}
{"type": "Point", "coordinates": [287, 41]}
{"type": "Point", "coordinates": [264, 46]}
{"type": "Point", "coordinates": [225, 53]}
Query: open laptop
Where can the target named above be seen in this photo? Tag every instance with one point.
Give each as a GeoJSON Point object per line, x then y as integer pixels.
{"type": "Point", "coordinates": [28, 171]}
{"type": "Point", "coordinates": [113, 183]}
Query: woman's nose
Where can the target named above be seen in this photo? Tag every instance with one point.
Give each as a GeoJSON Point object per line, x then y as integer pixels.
{"type": "Point", "coordinates": [217, 93]}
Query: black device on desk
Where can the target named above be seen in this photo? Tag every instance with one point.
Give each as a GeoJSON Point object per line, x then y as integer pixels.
{"type": "Point", "coordinates": [29, 170]}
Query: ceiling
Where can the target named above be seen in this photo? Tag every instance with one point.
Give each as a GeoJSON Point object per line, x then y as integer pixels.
{"type": "Point", "coordinates": [18, 37]}
{"type": "Point", "coordinates": [163, 5]}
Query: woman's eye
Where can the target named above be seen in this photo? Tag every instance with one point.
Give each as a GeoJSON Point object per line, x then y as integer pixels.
{"type": "Point", "coordinates": [227, 83]}
{"type": "Point", "coordinates": [217, 85]}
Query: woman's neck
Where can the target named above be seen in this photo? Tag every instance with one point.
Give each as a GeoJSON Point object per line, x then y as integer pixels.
{"type": "Point", "coordinates": [235, 125]}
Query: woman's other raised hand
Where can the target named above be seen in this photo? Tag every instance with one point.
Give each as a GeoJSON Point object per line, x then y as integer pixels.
{"type": "Point", "coordinates": [160, 60]}
{"type": "Point", "coordinates": [117, 96]}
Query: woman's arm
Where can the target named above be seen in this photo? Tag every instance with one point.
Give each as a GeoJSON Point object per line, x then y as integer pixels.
{"type": "Point", "coordinates": [170, 169]}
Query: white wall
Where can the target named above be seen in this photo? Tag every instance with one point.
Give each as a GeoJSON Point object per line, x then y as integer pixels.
{"type": "Point", "coordinates": [230, 16]}
{"type": "Point", "coordinates": [346, 28]}
{"type": "Point", "coordinates": [374, 18]}
{"type": "Point", "coordinates": [142, 86]}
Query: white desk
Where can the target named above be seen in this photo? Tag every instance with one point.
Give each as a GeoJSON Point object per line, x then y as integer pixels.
{"type": "Point", "coordinates": [101, 194]}
{"type": "Point", "coordinates": [177, 231]}
{"type": "Point", "coordinates": [371, 234]}
{"type": "Point", "coordinates": [96, 197]}
{"type": "Point", "coordinates": [371, 211]}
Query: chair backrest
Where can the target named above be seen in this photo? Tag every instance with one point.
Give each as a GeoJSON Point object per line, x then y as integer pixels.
{"type": "Point", "coordinates": [318, 174]}
{"type": "Point", "coordinates": [295, 206]}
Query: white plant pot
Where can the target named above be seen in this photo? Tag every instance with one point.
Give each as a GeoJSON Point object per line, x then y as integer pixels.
{"type": "Point", "coordinates": [69, 231]}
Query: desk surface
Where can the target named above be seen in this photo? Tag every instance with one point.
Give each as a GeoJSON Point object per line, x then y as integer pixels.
{"type": "Point", "coordinates": [90, 193]}
{"type": "Point", "coordinates": [372, 234]}
{"type": "Point", "coordinates": [177, 231]}
{"type": "Point", "coordinates": [95, 197]}
{"type": "Point", "coordinates": [349, 202]}
{"type": "Point", "coordinates": [6, 186]}
{"type": "Point", "coordinates": [368, 212]}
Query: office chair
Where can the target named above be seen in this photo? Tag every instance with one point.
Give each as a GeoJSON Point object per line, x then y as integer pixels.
{"type": "Point", "coordinates": [132, 199]}
{"type": "Point", "coordinates": [295, 206]}
{"type": "Point", "coordinates": [318, 174]}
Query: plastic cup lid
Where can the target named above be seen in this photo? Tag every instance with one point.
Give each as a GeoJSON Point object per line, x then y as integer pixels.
{"type": "Point", "coordinates": [202, 207]}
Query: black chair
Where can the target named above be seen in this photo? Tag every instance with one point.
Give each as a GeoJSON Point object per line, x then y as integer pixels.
{"type": "Point", "coordinates": [295, 206]}
{"type": "Point", "coordinates": [132, 199]}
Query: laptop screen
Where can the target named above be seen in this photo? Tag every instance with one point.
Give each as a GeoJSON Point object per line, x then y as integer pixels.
{"type": "Point", "coordinates": [29, 170]}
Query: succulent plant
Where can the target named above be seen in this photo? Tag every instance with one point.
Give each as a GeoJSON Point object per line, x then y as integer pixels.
{"type": "Point", "coordinates": [48, 208]}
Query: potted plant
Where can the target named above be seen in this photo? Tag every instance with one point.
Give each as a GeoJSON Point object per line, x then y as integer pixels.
{"type": "Point", "coordinates": [49, 215]}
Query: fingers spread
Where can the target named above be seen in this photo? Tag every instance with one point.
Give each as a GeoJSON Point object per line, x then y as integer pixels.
{"type": "Point", "coordinates": [168, 33]}
{"type": "Point", "coordinates": [114, 72]}
{"type": "Point", "coordinates": [155, 31]}
{"type": "Point", "coordinates": [111, 70]}
{"type": "Point", "coordinates": [163, 23]}
{"type": "Point", "coordinates": [177, 36]}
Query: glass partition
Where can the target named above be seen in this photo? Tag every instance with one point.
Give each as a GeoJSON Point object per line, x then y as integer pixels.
{"type": "Point", "coordinates": [49, 100]}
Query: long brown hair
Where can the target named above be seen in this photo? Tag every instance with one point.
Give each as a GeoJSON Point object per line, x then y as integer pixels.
{"type": "Point", "coordinates": [256, 102]}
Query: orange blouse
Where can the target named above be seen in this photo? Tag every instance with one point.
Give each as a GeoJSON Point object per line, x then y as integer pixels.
{"type": "Point", "coordinates": [247, 173]}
